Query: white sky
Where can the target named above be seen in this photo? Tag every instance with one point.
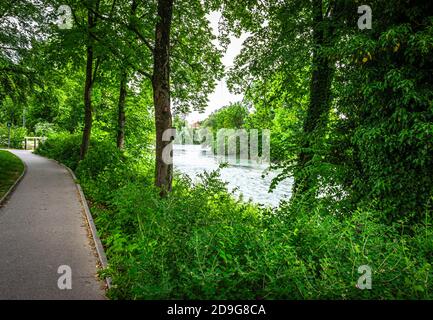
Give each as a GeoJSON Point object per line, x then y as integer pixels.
{"type": "Point", "coordinates": [221, 96]}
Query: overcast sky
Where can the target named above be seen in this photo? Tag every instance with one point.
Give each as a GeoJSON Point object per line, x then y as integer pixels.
{"type": "Point", "coordinates": [221, 96]}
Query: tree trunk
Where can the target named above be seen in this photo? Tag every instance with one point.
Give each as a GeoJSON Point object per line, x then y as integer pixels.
{"type": "Point", "coordinates": [161, 93]}
{"type": "Point", "coordinates": [88, 116]}
{"type": "Point", "coordinates": [121, 112]}
{"type": "Point", "coordinates": [319, 104]}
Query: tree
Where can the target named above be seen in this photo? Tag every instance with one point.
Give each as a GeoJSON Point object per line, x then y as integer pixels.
{"type": "Point", "coordinates": [21, 26]}
{"type": "Point", "coordinates": [173, 54]}
{"type": "Point", "coordinates": [232, 116]}
{"type": "Point", "coordinates": [167, 46]}
{"type": "Point", "coordinates": [161, 93]}
{"type": "Point", "coordinates": [90, 78]}
{"type": "Point", "coordinates": [295, 42]}
{"type": "Point", "coordinates": [121, 111]}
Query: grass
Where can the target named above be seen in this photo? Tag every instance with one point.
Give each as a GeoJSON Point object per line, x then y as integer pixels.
{"type": "Point", "coordinates": [11, 168]}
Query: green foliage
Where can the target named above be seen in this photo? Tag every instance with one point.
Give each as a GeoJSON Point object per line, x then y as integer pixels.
{"type": "Point", "coordinates": [43, 129]}
{"type": "Point", "coordinates": [380, 137]}
{"type": "Point", "coordinates": [371, 196]}
{"type": "Point", "coordinates": [206, 247]}
{"type": "Point", "coordinates": [374, 143]}
{"type": "Point", "coordinates": [229, 117]}
{"type": "Point", "coordinates": [17, 135]}
{"type": "Point", "coordinates": [62, 147]}
{"type": "Point", "coordinates": [201, 243]}
{"type": "Point", "coordinates": [234, 116]}
{"type": "Point", "coordinates": [102, 154]}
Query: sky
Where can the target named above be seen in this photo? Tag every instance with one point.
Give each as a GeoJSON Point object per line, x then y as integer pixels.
{"type": "Point", "coordinates": [221, 96]}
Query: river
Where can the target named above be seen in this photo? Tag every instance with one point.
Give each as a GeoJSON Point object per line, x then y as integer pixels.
{"type": "Point", "coordinates": [249, 179]}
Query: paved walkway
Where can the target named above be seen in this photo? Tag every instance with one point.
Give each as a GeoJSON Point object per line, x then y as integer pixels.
{"type": "Point", "coordinates": [42, 227]}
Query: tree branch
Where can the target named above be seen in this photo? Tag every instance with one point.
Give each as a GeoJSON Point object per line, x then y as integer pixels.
{"type": "Point", "coordinates": [126, 25]}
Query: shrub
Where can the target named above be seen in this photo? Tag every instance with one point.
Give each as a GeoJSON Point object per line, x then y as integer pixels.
{"type": "Point", "coordinates": [201, 244]}
{"type": "Point", "coordinates": [62, 147]}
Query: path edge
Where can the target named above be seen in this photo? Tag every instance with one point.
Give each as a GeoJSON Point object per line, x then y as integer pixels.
{"type": "Point", "coordinates": [98, 244]}
{"type": "Point", "coordinates": [12, 188]}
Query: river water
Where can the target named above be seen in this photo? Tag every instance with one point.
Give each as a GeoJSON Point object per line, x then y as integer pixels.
{"type": "Point", "coordinates": [250, 179]}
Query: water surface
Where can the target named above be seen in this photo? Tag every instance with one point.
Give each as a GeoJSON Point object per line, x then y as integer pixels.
{"type": "Point", "coordinates": [250, 178]}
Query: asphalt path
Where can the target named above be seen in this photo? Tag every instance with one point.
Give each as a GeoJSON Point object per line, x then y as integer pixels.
{"type": "Point", "coordinates": [46, 251]}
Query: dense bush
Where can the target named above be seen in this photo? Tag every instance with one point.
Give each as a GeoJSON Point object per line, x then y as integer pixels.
{"type": "Point", "coordinates": [62, 147]}
{"type": "Point", "coordinates": [201, 243]}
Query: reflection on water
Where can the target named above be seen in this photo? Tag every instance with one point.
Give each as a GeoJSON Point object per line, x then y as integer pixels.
{"type": "Point", "coordinates": [192, 160]}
